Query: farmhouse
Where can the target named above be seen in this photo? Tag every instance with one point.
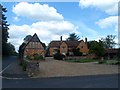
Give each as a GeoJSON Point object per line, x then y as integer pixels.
{"type": "Point", "coordinates": [66, 47]}
{"type": "Point", "coordinates": [33, 46]}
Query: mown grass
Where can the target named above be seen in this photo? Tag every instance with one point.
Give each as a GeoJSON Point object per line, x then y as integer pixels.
{"type": "Point", "coordinates": [111, 62]}
{"type": "Point", "coordinates": [82, 60]}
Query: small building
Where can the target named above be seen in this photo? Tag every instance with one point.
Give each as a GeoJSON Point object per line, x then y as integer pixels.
{"type": "Point", "coordinates": [66, 47]}
{"type": "Point", "coordinates": [33, 46]}
{"type": "Point", "coordinates": [111, 53]}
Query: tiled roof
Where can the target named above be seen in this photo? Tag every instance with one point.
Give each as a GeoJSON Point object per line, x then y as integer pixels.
{"type": "Point", "coordinates": [55, 44]}
{"type": "Point", "coordinates": [34, 38]}
{"type": "Point", "coordinates": [70, 44]}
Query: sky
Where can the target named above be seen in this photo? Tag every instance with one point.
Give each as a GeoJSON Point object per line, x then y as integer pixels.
{"type": "Point", "coordinates": [93, 19]}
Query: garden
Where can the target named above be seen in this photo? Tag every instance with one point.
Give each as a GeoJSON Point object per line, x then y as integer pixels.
{"type": "Point", "coordinates": [109, 62]}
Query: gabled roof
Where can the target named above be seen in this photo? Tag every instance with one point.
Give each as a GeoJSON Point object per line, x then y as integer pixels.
{"type": "Point", "coordinates": [111, 50]}
{"type": "Point", "coordinates": [71, 44]}
{"type": "Point", "coordinates": [34, 38]}
{"type": "Point", "coordinates": [55, 44]}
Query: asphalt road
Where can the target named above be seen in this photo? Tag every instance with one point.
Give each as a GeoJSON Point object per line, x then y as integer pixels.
{"type": "Point", "coordinates": [94, 81]}
{"type": "Point", "coordinates": [6, 61]}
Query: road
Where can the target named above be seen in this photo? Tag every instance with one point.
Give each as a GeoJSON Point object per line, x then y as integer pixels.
{"type": "Point", "coordinates": [7, 61]}
{"type": "Point", "coordinates": [94, 81]}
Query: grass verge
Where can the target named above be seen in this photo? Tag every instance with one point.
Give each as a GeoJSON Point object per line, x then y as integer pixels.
{"type": "Point", "coordinates": [82, 60]}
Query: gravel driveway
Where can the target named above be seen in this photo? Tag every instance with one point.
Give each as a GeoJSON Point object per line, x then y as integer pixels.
{"type": "Point", "coordinates": [56, 68]}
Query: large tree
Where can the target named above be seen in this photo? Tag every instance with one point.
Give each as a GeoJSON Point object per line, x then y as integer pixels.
{"type": "Point", "coordinates": [4, 31]}
{"type": "Point", "coordinates": [7, 48]}
{"type": "Point", "coordinates": [73, 37]}
{"type": "Point", "coordinates": [97, 48]}
{"type": "Point", "coordinates": [109, 41]}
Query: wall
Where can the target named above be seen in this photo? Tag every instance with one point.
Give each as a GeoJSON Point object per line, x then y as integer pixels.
{"type": "Point", "coordinates": [83, 47]}
{"type": "Point", "coordinates": [63, 48]}
{"type": "Point", "coordinates": [34, 48]}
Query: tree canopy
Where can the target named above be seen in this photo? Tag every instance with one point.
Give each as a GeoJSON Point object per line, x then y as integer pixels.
{"type": "Point", "coordinates": [27, 38]}
{"type": "Point", "coordinates": [7, 48]}
{"type": "Point", "coordinates": [109, 41]}
{"type": "Point", "coordinates": [73, 37]}
{"type": "Point", "coordinates": [97, 48]}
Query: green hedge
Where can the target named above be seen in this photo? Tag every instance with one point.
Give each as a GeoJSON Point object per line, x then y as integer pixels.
{"type": "Point", "coordinates": [59, 56]}
{"type": "Point", "coordinates": [35, 57]}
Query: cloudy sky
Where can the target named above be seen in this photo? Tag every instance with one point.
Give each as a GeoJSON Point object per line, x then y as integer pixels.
{"type": "Point", "coordinates": [93, 19]}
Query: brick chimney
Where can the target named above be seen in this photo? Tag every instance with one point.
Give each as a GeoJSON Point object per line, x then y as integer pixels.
{"type": "Point", "coordinates": [86, 40]}
{"type": "Point", "coordinates": [61, 38]}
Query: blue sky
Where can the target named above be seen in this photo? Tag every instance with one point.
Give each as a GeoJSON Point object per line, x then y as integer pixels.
{"type": "Point", "coordinates": [50, 20]}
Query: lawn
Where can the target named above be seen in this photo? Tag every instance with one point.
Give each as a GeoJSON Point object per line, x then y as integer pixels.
{"type": "Point", "coordinates": [82, 60]}
{"type": "Point", "coordinates": [112, 62]}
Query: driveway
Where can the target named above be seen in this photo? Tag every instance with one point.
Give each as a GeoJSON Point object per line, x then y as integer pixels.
{"type": "Point", "coordinates": [57, 68]}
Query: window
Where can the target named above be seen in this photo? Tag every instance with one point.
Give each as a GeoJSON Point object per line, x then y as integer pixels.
{"type": "Point", "coordinates": [81, 46]}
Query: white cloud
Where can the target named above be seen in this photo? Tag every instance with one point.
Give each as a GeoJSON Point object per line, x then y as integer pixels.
{"type": "Point", "coordinates": [86, 29]}
{"type": "Point", "coordinates": [16, 19]}
{"type": "Point", "coordinates": [50, 24]}
{"type": "Point", "coordinates": [108, 22]}
{"type": "Point", "coordinates": [109, 6]}
{"type": "Point", "coordinates": [37, 11]}
{"type": "Point", "coordinates": [46, 31]}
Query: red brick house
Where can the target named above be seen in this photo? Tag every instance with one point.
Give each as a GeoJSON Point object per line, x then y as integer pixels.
{"type": "Point", "coordinates": [33, 46]}
{"type": "Point", "coordinates": [65, 47]}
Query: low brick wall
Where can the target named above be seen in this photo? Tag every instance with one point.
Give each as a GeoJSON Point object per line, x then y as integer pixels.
{"type": "Point", "coordinates": [32, 67]}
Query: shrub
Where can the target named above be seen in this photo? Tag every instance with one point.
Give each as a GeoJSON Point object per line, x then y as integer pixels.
{"type": "Point", "coordinates": [24, 65]}
{"type": "Point", "coordinates": [100, 62]}
{"type": "Point", "coordinates": [35, 57]}
{"type": "Point", "coordinates": [29, 57]}
{"type": "Point", "coordinates": [38, 57]}
{"type": "Point", "coordinates": [77, 52]}
{"type": "Point", "coordinates": [59, 56]}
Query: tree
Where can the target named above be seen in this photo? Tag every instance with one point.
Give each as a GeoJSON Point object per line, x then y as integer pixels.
{"type": "Point", "coordinates": [10, 49]}
{"type": "Point", "coordinates": [76, 52]}
{"type": "Point", "coordinates": [7, 48]}
{"type": "Point", "coordinates": [4, 26]}
{"type": "Point", "coordinates": [97, 48]}
{"type": "Point", "coordinates": [27, 38]}
{"type": "Point", "coordinates": [109, 42]}
{"type": "Point", "coordinates": [118, 54]}
{"type": "Point", "coordinates": [4, 31]}
{"type": "Point", "coordinates": [21, 50]}
{"type": "Point", "coordinates": [73, 37]}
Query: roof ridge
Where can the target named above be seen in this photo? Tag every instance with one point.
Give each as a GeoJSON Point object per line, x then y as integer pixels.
{"type": "Point", "coordinates": [31, 39]}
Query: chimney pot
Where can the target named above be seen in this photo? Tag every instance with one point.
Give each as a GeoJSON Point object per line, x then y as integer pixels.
{"type": "Point", "coordinates": [86, 40]}
{"type": "Point", "coordinates": [61, 38]}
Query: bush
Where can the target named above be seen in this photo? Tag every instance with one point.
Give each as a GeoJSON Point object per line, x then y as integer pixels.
{"type": "Point", "coordinates": [29, 57]}
{"type": "Point", "coordinates": [24, 65]}
{"type": "Point", "coordinates": [38, 57]}
{"type": "Point", "coordinates": [77, 52]}
{"type": "Point", "coordinates": [59, 56]}
{"type": "Point", "coordinates": [100, 62]}
{"type": "Point", "coordinates": [35, 57]}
